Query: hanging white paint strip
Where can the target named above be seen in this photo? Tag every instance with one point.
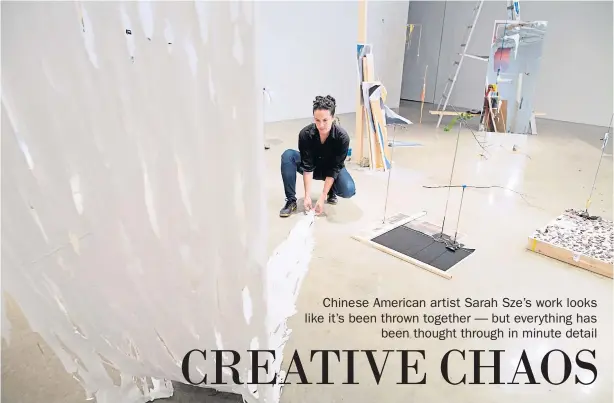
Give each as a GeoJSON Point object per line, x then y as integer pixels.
{"type": "Point", "coordinates": [268, 94]}
{"type": "Point", "coordinates": [129, 223]}
{"type": "Point", "coordinates": [201, 12]}
{"type": "Point", "coordinates": [128, 32]}
{"type": "Point", "coordinates": [147, 19]}
{"type": "Point", "coordinates": [88, 36]}
{"type": "Point", "coordinates": [168, 35]}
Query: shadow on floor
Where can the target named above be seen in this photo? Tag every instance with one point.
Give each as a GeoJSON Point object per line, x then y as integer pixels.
{"type": "Point", "coordinates": [193, 394]}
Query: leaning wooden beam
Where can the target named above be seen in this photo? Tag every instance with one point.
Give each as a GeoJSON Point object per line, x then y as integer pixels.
{"type": "Point", "coordinates": [362, 38]}
{"type": "Point", "coordinates": [376, 99]}
{"type": "Point", "coordinates": [375, 160]}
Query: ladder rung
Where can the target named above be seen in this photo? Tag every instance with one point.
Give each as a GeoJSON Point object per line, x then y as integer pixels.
{"type": "Point", "coordinates": [483, 58]}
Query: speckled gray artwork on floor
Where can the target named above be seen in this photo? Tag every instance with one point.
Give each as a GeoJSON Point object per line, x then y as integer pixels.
{"type": "Point", "coordinates": [591, 237]}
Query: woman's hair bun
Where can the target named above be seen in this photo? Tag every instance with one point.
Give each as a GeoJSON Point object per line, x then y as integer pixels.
{"type": "Point", "coordinates": [326, 103]}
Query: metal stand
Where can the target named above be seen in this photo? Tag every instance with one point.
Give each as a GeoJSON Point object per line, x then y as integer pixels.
{"type": "Point", "coordinates": [455, 245]}
{"type": "Point", "coordinates": [606, 137]}
{"type": "Point", "coordinates": [394, 131]}
{"type": "Point", "coordinates": [441, 235]}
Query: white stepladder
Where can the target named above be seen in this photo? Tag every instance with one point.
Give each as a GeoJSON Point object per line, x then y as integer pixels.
{"type": "Point", "coordinates": [513, 12]}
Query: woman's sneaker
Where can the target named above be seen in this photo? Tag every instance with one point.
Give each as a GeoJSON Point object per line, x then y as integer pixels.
{"type": "Point", "coordinates": [288, 209]}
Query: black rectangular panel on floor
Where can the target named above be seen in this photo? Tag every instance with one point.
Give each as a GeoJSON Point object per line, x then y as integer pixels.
{"type": "Point", "coordinates": [421, 247]}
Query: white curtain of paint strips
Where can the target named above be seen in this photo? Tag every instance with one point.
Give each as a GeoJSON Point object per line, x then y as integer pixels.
{"type": "Point", "coordinates": [133, 222]}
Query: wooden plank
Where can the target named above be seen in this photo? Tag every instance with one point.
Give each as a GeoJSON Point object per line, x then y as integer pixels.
{"type": "Point", "coordinates": [359, 128]}
{"type": "Point", "coordinates": [382, 117]}
{"type": "Point", "coordinates": [403, 257]}
{"type": "Point", "coordinates": [568, 256]}
{"type": "Point", "coordinates": [375, 160]}
{"type": "Point", "coordinates": [370, 131]}
{"type": "Point", "coordinates": [367, 117]}
{"type": "Point", "coordinates": [378, 156]}
{"type": "Point", "coordinates": [501, 118]}
{"type": "Point", "coordinates": [449, 113]}
{"type": "Point", "coordinates": [370, 70]}
{"type": "Point", "coordinates": [360, 125]}
{"type": "Point", "coordinates": [381, 133]}
{"type": "Point", "coordinates": [362, 21]}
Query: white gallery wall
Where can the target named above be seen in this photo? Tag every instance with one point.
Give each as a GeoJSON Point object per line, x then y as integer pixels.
{"type": "Point", "coordinates": [308, 48]}
{"type": "Point", "coordinates": [575, 83]}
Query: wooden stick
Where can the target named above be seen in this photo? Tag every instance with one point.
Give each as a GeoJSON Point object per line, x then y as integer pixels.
{"type": "Point", "coordinates": [423, 91]}
{"type": "Point", "coordinates": [362, 38]}
{"type": "Point", "coordinates": [403, 257]}
{"type": "Point", "coordinates": [373, 162]}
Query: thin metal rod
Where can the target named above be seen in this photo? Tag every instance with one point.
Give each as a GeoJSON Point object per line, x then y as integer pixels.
{"type": "Point", "coordinates": [605, 139]}
{"type": "Point", "coordinates": [459, 213]}
{"type": "Point", "coordinates": [419, 40]}
{"type": "Point", "coordinates": [460, 125]}
{"type": "Point", "coordinates": [394, 134]}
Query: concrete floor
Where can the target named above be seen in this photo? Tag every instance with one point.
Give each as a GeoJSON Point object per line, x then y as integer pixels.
{"type": "Point", "coordinates": [554, 170]}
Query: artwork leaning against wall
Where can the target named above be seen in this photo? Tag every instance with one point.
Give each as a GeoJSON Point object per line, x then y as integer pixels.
{"type": "Point", "coordinates": [512, 76]}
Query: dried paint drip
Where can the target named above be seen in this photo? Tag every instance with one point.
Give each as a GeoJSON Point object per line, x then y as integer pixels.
{"type": "Point", "coordinates": [77, 196]}
{"type": "Point", "coordinates": [202, 19]}
{"type": "Point", "coordinates": [237, 48]}
{"type": "Point", "coordinates": [147, 20]}
{"type": "Point", "coordinates": [168, 34]}
{"type": "Point", "coordinates": [583, 236]}
{"type": "Point", "coordinates": [248, 11]}
{"type": "Point", "coordinates": [129, 36]}
{"type": "Point", "coordinates": [88, 36]}
{"type": "Point", "coordinates": [192, 57]}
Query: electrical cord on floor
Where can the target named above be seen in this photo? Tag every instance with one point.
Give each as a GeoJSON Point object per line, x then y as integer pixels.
{"type": "Point", "coordinates": [522, 195]}
{"type": "Point", "coordinates": [463, 119]}
{"type": "Point", "coordinates": [515, 150]}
